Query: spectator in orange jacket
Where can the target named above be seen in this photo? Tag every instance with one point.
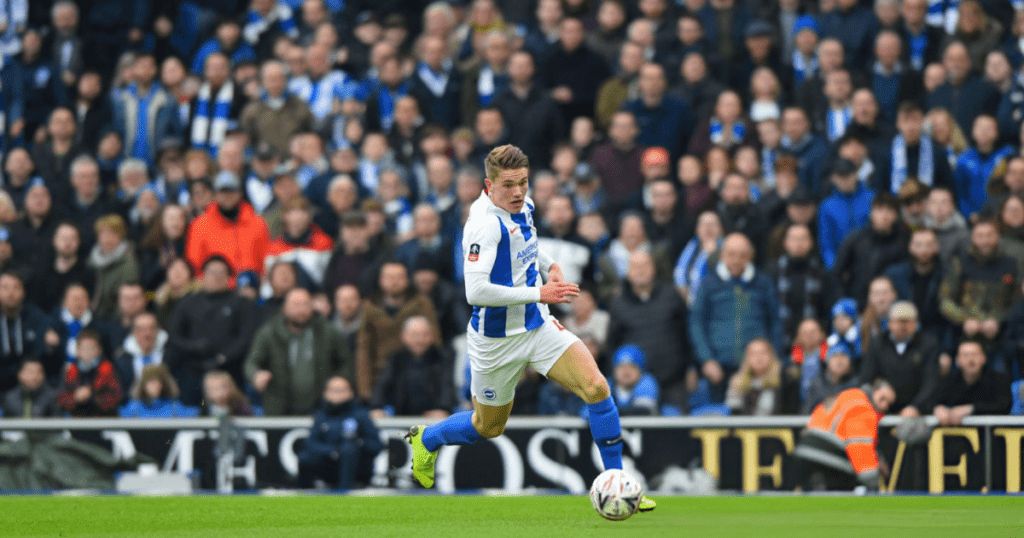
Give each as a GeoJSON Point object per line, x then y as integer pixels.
{"type": "Point", "coordinates": [837, 450]}
{"type": "Point", "coordinates": [90, 384]}
{"type": "Point", "coordinates": [229, 228]}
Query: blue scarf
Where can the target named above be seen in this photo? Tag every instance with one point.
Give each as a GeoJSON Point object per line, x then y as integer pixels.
{"type": "Point", "coordinates": [434, 81]}
{"type": "Point", "coordinates": [803, 68]}
{"type": "Point", "coordinates": [837, 122]}
{"type": "Point", "coordinates": [140, 146]}
{"type": "Point", "coordinates": [918, 44]}
{"type": "Point", "coordinates": [718, 132]}
{"type": "Point", "coordinates": [925, 165]}
{"type": "Point", "coordinates": [386, 103]}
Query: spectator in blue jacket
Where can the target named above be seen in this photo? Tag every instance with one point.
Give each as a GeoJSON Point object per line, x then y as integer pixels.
{"type": "Point", "coordinates": [977, 166]}
{"type": "Point", "coordinates": [227, 40]}
{"type": "Point", "coordinates": [854, 26]}
{"type": "Point", "coordinates": [144, 113]}
{"type": "Point", "coordinates": [846, 210]}
{"type": "Point", "coordinates": [32, 87]}
{"type": "Point", "coordinates": [155, 395]}
{"type": "Point", "coordinates": [342, 442]}
{"type": "Point", "coordinates": [736, 303]}
{"type": "Point", "coordinates": [635, 391]}
{"type": "Point", "coordinates": [664, 119]}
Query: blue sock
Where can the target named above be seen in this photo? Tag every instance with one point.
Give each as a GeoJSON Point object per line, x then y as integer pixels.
{"type": "Point", "coordinates": [455, 430]}
{"type": "Point", "coordinates": [607, 432]}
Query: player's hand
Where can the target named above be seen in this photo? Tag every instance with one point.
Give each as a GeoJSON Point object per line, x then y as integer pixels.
{"type": "Point", "coordinates": [260, 380]}
{"type": "Point", "coordinates": [713, 371]}
{"type": "Point", "coordinates": [558, 292]}
{"type": "Point", "coordinates": [555, 274]}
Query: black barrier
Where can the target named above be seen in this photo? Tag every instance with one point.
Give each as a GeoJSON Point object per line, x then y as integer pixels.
{"type": "Point", "coordinates": [743, 454]}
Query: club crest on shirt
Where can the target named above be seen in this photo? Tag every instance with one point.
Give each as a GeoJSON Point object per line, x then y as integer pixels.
{"type": "Point", "coordinates": [474, 252]}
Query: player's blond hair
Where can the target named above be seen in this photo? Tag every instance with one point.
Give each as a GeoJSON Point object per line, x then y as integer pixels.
{"type": "Point", "coordinates": [507, 157]}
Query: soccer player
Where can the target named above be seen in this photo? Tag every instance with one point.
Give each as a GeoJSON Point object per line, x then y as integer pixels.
{"type": "Point", "coordinates": [511, 327]}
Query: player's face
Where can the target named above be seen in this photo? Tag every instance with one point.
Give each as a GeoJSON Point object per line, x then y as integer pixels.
{"type": "Point", "coordinates": [509, 191]}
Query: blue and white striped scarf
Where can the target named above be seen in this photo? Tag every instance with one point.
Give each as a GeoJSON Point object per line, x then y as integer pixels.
{"type": "Point", "coordinates": [320, 94]}
{"type": "Point", "coordinates": [256, 24]}
{"type": "Point", "coordinates": [386, 103]}
{"type": "Point", "coordinates": [837, 122]}
{"type": "Point", "coordinates": [803, 68]}
{"type": "Point", "coordinates": [434, 81]}
{"type": "Point", "coordinates": [943, 14]}
{"type": "Point", "coordinates": [212, 119]}
{"type": "Point", "coordinates": [925, 165]}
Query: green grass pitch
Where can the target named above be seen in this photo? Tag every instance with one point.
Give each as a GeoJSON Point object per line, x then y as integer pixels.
{"type": "Point", "coordinates": [499, 517]}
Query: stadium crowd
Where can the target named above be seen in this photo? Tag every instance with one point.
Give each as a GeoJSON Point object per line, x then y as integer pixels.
{"type": "Point", "coordinates": [214, 207]}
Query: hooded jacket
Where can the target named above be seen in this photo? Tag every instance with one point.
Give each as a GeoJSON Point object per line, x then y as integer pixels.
{"type": "Point", "coordinates": [243, 242]}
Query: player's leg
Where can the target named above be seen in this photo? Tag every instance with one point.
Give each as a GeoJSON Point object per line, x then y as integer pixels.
{"type": "Point", "coordinates": [577, 371]}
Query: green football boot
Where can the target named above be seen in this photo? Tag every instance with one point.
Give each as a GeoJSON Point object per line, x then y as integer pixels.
{"type": "Point", "coordinates": [423, 459]}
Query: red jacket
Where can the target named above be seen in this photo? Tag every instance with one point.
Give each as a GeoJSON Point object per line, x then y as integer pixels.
{"type": "Point", "coordinates": [106, 391]}
{"type": "Point", "coordinates": [242, 243]}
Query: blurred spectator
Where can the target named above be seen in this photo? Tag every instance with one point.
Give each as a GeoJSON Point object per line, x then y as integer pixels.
{"type": "Point", "coordinates": [918, 279]}
{"type": "Point", "coordinates": [60, 269]}
{"type": "Point", "coordinates": [587, 318]}
{"type": "Point", "coordinates": [353, 260]}
{"type": "Point", "coordinates": [724, 22]}
{"type": "Point", "coordinates": [19, 170]}
{"type": "Point", "coordinates": [292, 354]}
{"type": "Point", "coordinates": [964, 94]}
{"type": "Point", "coordinates": [343, 441]}
{"type": "Point", "coordinates": [436, 84]}
{"type": "Point", "coordinates": [180, 282]}
{"type": "Point", "coordinates": [617, 162]}
{"type": "Point", "coordinates": [663, 119]}
{"type": "Point", "coordinates": [484, 81]}
{"type": "Point", "coordinates": [162, 243]}
{"type": "Point", "coordinates": [33, 232]}
{"type": "Point", "coordinates": [907, 359]}
{"type": "Point", "coordinates": [114, 262]}
{"type": "Point", "coordinates": [529, 113]}
{"type": "Point", "coordinates": [754, 388]}
{"type": "Point", "coordinates": [837, 376]}
{"type": "Point", "coordinates": [86, 203]}
{"type": "Point", "coordinates": [980, 285]}
{"type": "Point", "coordinates": [33, 397]}
{"type": "Point", "coordinates": [844, 211]}
{"type": "Point", "coordinates": [875, 317]}
{"type": "Point", "coordinates": [801, 281]}
{"type": "Point", "coordinates": [64, 44]}
{"type": "Point", "coordinates": [21, 331]}
{"type": "Point", "coordinates": [866, 252]}
{"type": "Point", "coordinates": [972, 389]}
{"type": "Point", "coordinates": [145, 113]}
{"type": "Point", "coordinates": [624, 86]}
{"type": "Point", "coordinates": [798, 207]}
{"type": "Point", "coordinates": [90, 385]}
{"type": "Point", "coordinates": [92, 110]}
{"type": "Point", "coordinates": [427, 240]}
{"type": "Point", "coordinates": [976, 30]}
{"type": "Point", "coordinates": [809, 149]}
{"type": "Point", "coordinates": [736, 303]}
{"type": "Point", "coordinates": [452, 310]}
{"type": "Point", "coordinates": [348, 314]}
{"type": "Point", "coordinates": [218, 105]}
{"type": "Point", "coordinates": [210, 329]}
{"type": "Point", "coordinates": [558, 238]}
{"type": "Point", "coordinates": [915, 154]}
{"type": "Point", "coordinates": [976, 167]}
{"type": "Point", "coordinates": [725, 128]}
{"type": "Point", "coordinates": [737, 210]}
{"type": "Point", "coordinates": [221, 396]}
{"type": "Point", "coordinates": [650, 314]}
{"type": "Point", "coordinates": [950, 227]}
{"type": "Point", "coordinates": [143, 348]}
{"type": "Point", "coordinates": [227, 42]}
{"type": "Point", "coordinates": [266, 20]}
{"type": "Point", "coordinates": [922, 42]}
{"type": "Point", "coordinates": [276, 115]}
{"type": "Point", "coordinates": [383, 319]}
{"type": "Point", "coordinates": [806, 359]}
{"type": "Point", "coordinates": [573, 72]}
{"type": "Point", "coordinates": [302, 243]}
{"type": "Point", "coordinates": [32, 87]}
{"type": "Point", "coordinates": [693, 263]}
{"type": "Point", "coordinates": [53, 157]}
{"type": "Point", "coordinates": [635, 391]}
{"type": "Point", "coordinates": [155, 395]}
{"type": "Point", "coordinates": [66, 322]}
{"type": "Point", "coordinates": [417, 380]}
{"type": "Point", "coordinates": [229, 216]}
{"type": "Point", "coordinates": [614, 264]}
{"type": "Point", "coordinates": [698, 87]}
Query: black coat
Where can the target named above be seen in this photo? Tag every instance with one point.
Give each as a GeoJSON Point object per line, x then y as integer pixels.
{"type": "Point", "coordinates": [914, 374]}
{"type": "Point", "coordinates": [990, 394]}
{"type": "Point", "coordinates": [44, 403]}
{"type": "Point", "coordinates": [412, 386]}
{"type": "Point", "coordinates": [532, 123]}
{"type": "Point", "coordinates": [45, 286]}
{"type": "Point", "coordinates": [583, 71]}
{"type": "Point", "coordinates": [657, 326]}
{"type": "Point", "coordinates": [206, 325]}
{"type": "Point", "coordinates": [863, 255]}
{"type": "Point", "coordinates": [804, 290]}
{"type": "Point", "coordinates": [32, 245]}
{"type": "Point", "coordinates": [24, 338]}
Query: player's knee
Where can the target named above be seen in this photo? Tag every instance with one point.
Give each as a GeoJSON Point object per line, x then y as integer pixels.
{"type": "Point", "coordinates": [488, 431]}
{"type": "Point", "coordinates": [595, 390]}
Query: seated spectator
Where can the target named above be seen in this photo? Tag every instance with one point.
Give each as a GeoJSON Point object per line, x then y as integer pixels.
{"type": "Point", "coordinates": [295, 352]}
{"type": "Point", "coordinates": [145, 96]}
{"type": "Point", "coordinates": [24, 326]}
{"type": "Point", "coordinates": [725, 129]}
{"type": "Point", "coordinates": [90, 384]}
{"type": "Point", "coordinates": [210, 329]}
{"type": "Point", "coordinates": [972, 389]}
{"type": "Point", "coordinates": [614, 264]}
{"type": "Point", "coordinates": [155, 395]}
{"type": "Point", "coordinates": [32, 234]}
{"type": "Point", "coordinates": [797, 207]}
{"type": "Point", "coordinates": [736, 304]}
{"type": "Point", "coordinates": [33, 397]}
{"type": "Point", "coordinates": [634, 390]}
{"type": "Point", "coordinates": [114, 262]}
{"type": "Point", "coordinates": [142, 348]}
{"type": "Point", "coordinates": [837, 376]}
{"type": "Point", "coordinates": [343, 441]}
{"type": "Point", "coordinates": [806, 357]}
{"type": "Point", "coordinates": [980, 286]}
{"type": "Point", "coordinates": [221, 397]}
{"type": "Point", "coordinates": [907, 358]}
{"type": "Point", "coordinates": [754, 388]}
{"type": "Point", "coordinates": [417, 380]}
{"type": "Point", "coordinates": [694, 262]}
{"type": "Point", "coordinates": [587, 318]}
{"type": "Point", "coordinates": [383, 319]}
{"type": "Point", "coordinates": [179, 283]}
{"type": "Point", "coordinates": [843, 212]}
{"type": "Point", "coordinates": [131, 301]}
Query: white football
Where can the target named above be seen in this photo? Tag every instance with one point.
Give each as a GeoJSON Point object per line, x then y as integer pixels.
{"type": "Point", "coordinates": [616, 494]}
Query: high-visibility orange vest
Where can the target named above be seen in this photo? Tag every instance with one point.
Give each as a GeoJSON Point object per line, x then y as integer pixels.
{"type": "Point", "coordinates": [846, 424]}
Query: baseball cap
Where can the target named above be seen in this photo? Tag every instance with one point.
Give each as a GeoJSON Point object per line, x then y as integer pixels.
{"type": "Point", "coordinates": [655, 156]}
{"type": "Point", "coordinates": [226, 181]}
{"type": "Point", "coordinates": [631, 354]}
